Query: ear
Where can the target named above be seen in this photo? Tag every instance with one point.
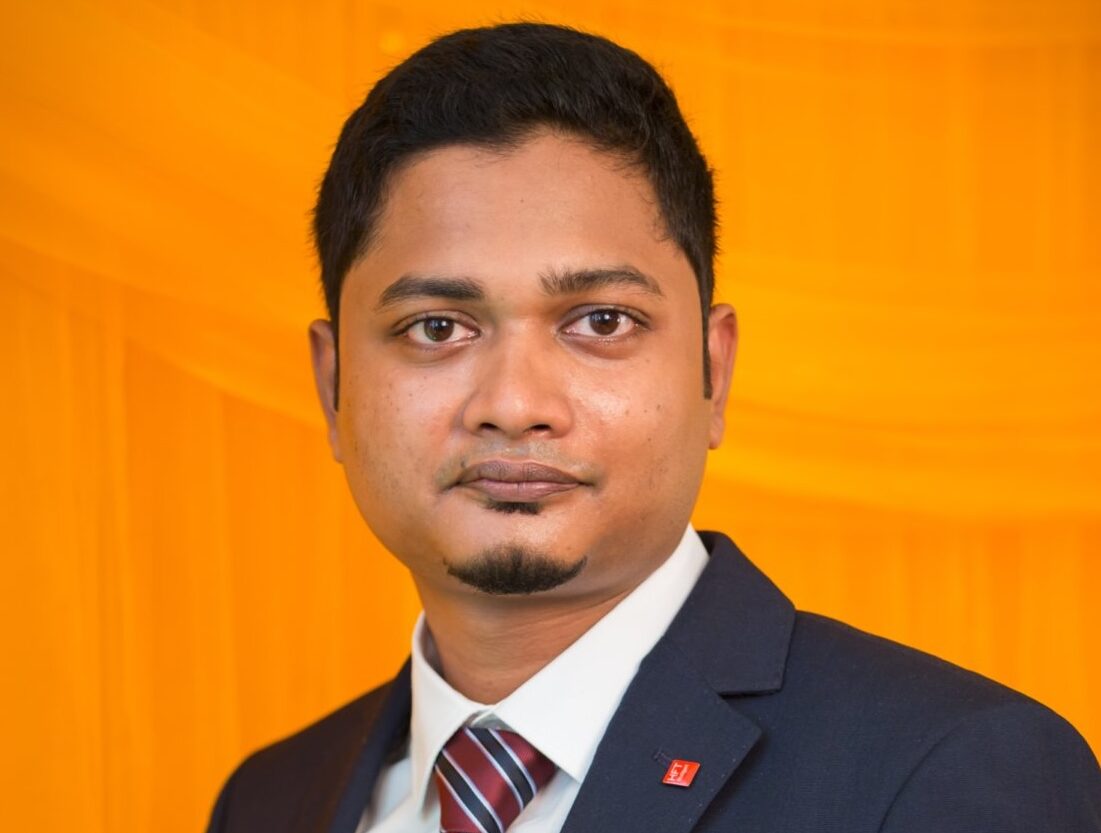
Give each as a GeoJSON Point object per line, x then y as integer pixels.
{"type": "Point", "coordinates": [323, 354]}
{"type": "Point", "coordinates": [722, 343]}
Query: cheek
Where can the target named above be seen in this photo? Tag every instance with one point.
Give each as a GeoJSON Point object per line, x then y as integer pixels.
{"type": "Point", "coordinates": [391, 429]}
{"type": "Point", "coordinates": [650, 423]}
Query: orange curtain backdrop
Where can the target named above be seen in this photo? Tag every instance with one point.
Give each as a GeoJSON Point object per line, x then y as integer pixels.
{"type": "Point", "coordinates": [910, 200]}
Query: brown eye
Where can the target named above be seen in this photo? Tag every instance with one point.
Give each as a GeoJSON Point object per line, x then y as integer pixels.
{"type": "Point", "coordinates": [438, 329]}
{"type": "Point", "coordinates": [604, 322]}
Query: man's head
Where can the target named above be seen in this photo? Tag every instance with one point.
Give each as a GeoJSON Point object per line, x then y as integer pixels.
{"type": "Point", "coordinates": [516, 235]}
{"type": "Point", "coordinates": [492, 88]}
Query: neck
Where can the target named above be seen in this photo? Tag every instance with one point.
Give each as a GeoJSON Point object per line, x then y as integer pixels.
{"type": "Point", "coordinates": [489, 647]}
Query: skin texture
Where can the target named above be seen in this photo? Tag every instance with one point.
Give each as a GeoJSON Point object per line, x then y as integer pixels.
{"type": "Point", "coordinates": [520, 372]}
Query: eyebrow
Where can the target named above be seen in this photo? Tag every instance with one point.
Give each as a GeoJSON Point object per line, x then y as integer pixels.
{"type": "Point", "coordinates": [554, 282]}
{"type": "Point", "coordinates": [417, 286]}
{"type": "Point", "coordinates": [576, 281]}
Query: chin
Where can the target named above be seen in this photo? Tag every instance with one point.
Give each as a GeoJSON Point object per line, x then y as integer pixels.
{"type": "Point", "coordinates": [514, 569]}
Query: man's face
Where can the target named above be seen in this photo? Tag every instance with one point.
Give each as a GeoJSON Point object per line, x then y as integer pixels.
{"type": "Point", "coordinates": [520, 361]}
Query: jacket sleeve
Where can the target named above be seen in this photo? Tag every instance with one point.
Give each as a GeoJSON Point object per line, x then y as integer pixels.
{"type": "Point", "coordinates": [1013, 768]}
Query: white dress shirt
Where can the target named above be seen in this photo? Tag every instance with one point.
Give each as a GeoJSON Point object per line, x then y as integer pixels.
{"type": "Point", "coordinates": [562, 710]}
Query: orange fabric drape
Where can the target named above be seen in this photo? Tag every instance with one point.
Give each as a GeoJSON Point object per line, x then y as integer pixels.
{"type": "Point", "coordinates": [910, 207]}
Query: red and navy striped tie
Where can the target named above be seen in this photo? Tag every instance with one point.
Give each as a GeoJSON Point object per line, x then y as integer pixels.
{"type": "Point", "coordinates": [485, 777]}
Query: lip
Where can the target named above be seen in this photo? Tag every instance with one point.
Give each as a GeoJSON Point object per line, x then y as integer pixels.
{"type": "Point", "coordinates": [513, 482]}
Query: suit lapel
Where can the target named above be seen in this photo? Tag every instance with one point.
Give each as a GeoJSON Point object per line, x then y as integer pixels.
{"type": "Point", "coordinates": [663, 717]}
{"type": "Point", "coordinates": [354, 781]}
{"type": "Point", "coordinates": [731, 637]}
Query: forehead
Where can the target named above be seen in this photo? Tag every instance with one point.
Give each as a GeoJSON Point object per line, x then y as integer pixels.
{"type": "Point", "coordinates": [546, 170]}
{"type": "Point", "coordinates": [551, 203]}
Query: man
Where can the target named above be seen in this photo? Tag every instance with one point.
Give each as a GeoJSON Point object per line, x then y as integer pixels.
{"type": "Point", "coordinates": [522, 376]}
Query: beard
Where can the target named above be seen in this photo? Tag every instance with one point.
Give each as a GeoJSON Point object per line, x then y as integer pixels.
{"type": "Point", "coordinates": [515, 571]}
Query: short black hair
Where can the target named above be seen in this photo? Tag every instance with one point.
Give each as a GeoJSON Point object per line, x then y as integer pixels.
{"type": "Point", "coordinates": [493, 87]}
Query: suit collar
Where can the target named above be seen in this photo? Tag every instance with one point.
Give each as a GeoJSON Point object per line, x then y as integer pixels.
{"type": "Point", "coordinates": [736, 625]}
{"type": "Point", "coordinates": [669, 713]}
{"type": "Point", "coordinates": [730, 637]}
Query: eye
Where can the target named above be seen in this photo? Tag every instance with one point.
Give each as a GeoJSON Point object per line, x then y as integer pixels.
{"type": "Point", "coordinates": [438, 330]}
{"type": "Point", "coordinates": [603, 323]}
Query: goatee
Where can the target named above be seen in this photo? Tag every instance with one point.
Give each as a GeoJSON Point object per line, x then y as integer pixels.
{"type": "Point", "coordinates": [515, 571]}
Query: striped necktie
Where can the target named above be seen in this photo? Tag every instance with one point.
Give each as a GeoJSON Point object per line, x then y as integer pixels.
{"type": "Point", "coordinates": [485, 777]}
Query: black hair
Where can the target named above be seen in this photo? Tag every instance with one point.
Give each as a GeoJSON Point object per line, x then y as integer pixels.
{"type": "Point", "coordinates": [493, 87]}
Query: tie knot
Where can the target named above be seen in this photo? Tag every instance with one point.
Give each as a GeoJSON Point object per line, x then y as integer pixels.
{"type": "Point", "coordinates": [485, 777]}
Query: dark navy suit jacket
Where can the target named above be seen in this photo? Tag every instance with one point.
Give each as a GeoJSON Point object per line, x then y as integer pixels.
{"type": "Point", "coordinates": [799, 724]}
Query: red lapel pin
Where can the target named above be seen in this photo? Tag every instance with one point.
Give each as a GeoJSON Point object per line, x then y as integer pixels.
{"type": "Point", "coordinates": [681, 773]}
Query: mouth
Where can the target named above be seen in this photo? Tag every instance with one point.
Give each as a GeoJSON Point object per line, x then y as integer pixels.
{"type": "Point", "coordinates": [505, 481]}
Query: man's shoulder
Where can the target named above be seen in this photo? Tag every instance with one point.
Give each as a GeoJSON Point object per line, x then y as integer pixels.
{"type": "Point", "coordinates": [835, 651]}
{"type": "Point", "coordinates": [320, 738]}
{"type": "Point", "coordinates": [820, 683]}
{"type": "Point", "coordinates": [875, 691]}
{"type": "Point", "coordinates": [862, 721]}
{"type": "Point", "coordinates": [295, 775]}
{"type": "Point", "coordinates": [815, 662]}
{"type": "Point", "coordinates": [874, 678]}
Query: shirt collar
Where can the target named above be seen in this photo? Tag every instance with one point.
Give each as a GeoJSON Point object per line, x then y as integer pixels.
{"type": "Point", "coordinates": [562, 717]}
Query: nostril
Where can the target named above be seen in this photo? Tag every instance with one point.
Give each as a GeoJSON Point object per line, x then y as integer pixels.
{"type": "Point", "coordinates": [541, 428]}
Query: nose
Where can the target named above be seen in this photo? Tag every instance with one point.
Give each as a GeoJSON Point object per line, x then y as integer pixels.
{"type": "Point", "coordinates": [521, 390]}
